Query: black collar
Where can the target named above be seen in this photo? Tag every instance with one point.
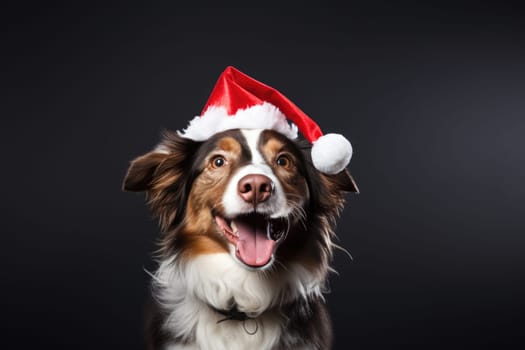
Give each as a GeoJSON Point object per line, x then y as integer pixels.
{"type": "Point", "coordinates": [234, 314]}
{"type": "Point", "coordinates": [231, 314]}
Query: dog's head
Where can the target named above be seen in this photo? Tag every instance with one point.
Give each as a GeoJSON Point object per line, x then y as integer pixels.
{"type": "Point", "coordinates": [251, 193]}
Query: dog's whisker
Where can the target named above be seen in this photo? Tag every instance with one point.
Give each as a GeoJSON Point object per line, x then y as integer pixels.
{"type": "Point", "coordinates": [298, 213]}
{"type": "Point", "coordinates": [344, 250]}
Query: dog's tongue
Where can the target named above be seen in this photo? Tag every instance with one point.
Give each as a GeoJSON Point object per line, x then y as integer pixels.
{"type": "Point", "coordinates": [254, 247]}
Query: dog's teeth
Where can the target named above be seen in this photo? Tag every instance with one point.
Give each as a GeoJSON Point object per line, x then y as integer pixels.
{"type": "Point", "coordinates": [234, 229]}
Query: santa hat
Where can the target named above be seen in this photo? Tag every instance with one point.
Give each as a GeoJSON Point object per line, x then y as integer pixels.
{"type": "Point", "coordinates": [241, 102]}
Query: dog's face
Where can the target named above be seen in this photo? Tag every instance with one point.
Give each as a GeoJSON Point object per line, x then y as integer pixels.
{"type": "Point", "coordinates": [251, 193]}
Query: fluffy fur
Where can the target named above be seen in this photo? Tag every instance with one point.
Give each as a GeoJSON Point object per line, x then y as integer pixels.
{"type": "Point", "coordinates": [194, 188]}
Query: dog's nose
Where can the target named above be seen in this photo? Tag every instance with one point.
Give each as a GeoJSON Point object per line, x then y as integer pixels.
{"type": "Point", "coordinates": [255, 188]}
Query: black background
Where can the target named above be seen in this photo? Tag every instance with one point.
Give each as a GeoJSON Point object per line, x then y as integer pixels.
{"type": "Point", "coordinates": [431, 94]}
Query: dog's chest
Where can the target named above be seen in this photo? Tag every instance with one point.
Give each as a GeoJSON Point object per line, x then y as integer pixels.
{"type": "Point", "coordinates": [190, 293]}
{"type": "Point", "coordinates": [263, 332]}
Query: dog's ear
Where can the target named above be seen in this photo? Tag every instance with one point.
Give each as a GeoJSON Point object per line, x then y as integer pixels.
{"type": "Point", "coordinates": [165, 174]}
{"type": "Point", "coordinates": [343, 181]}
{"type": "Point", "coordinates": [141, 170]}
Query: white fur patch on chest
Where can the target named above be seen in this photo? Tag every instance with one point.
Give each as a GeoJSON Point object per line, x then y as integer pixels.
{"type": "Point", "coordinates": [186, 290]}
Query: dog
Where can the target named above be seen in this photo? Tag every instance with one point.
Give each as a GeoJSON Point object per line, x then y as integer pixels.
{"type": "Point", "coordinates": [247, 238]}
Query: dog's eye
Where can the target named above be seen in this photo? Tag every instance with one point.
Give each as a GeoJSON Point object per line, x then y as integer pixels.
{"type": "Point", "coordinates": [218, 161]}
{"type": "Point", "coordinates": [283, 161]}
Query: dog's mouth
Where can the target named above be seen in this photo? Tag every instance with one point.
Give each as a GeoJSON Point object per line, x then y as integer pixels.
{"type": "Point", "coordinates": [254, 236]}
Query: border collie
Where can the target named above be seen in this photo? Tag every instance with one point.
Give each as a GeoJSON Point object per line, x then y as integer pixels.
{"type": "Point", "coordinates": [247, 228]}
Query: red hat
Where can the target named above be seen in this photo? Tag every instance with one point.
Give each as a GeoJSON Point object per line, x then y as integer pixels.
{"type": "Point", "coordinates": [241, 102]}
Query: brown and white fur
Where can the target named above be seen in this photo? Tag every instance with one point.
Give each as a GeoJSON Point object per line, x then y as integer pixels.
{"type": "Point", "coordinates": [199, 191]}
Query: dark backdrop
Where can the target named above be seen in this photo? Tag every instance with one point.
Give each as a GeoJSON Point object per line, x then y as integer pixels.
{"type": "Point", "coordinates": [431, 95]}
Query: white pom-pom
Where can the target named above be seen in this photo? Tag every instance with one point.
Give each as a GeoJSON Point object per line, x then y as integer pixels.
{"type": "Point", "coordinates": [331, 153]}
